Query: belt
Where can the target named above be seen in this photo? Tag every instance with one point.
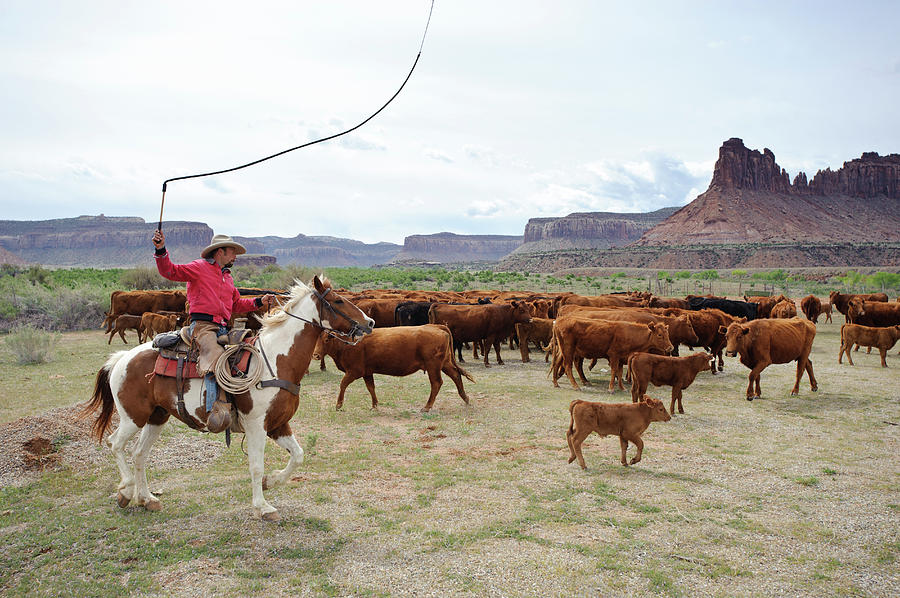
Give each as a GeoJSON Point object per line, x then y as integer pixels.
{"type": "Point", "coordinates": [207, 318]}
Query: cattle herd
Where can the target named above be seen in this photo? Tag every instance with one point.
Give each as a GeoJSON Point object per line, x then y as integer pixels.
{"type": "Point", "coordinates": [428, 330]}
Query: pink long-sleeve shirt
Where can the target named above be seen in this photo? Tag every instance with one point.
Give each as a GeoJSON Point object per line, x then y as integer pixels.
{"type": "Point", "coordinates": [210, 290]}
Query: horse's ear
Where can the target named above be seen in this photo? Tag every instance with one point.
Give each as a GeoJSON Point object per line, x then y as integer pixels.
{"type": "Point", "coordinates": [317, 283]}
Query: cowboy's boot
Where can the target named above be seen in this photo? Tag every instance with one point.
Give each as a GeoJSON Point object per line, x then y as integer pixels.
{"type": "Point", "coordinates": [219, 417]}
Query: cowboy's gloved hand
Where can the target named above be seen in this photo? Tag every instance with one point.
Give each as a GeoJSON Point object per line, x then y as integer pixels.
{"type": "Point", "coordinates": [159, 239]}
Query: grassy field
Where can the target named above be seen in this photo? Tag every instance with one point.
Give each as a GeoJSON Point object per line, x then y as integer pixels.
{"type": "Point", "coordinates": [796, 496]}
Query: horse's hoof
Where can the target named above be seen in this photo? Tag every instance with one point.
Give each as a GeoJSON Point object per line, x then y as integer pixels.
{"type": "Point", "coordinates": [153, 505]}
{"type": "Point", "coordinates": [122, 500]}
{"type": "Point", "coordinates": [265, 482]}
{"type": "Point", "coordinates": [749, 398]}
{"type": "Point", "coordinates": [272, 517]}
{"type": "Point", "coordinates": [815, 389]}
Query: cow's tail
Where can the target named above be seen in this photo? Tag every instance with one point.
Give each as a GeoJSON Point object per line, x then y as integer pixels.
{"type": "Point", "coordinates": [555, 351]}
{"type": "Point", "coordinates": [102, 399]}
{"type": "Point", "coordinates": [459, 369]}
{"type": "Point", "coordinates": [431, 315]}
{"type": "Point", "coordinates": [571, 419]}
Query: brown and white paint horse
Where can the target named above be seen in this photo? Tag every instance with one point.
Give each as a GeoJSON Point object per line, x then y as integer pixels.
{"type": "Point", "coordinates": [145, 402]}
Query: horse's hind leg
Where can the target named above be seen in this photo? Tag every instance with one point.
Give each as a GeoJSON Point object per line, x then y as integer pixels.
{"type": "Point", "coordinates": [117, 441]}
{"type": "Point", "coordinates": [284, 438]}
{"type": "Point", "coordinates": [149, 434]}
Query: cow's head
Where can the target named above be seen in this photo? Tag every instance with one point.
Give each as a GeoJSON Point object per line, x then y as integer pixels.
{"type": "Point", "coordinates": [521, 313]}
{"type": "Point", "coordinates": [658, 411]}
{"type": "Point", "coordinates": [659, 337]}
{"type": "Point", "coordinates": [687, 330]}
{"type": "Point", "coordinates": [736, 336]}
{"type": "Point", "coordinates": [855, 308]}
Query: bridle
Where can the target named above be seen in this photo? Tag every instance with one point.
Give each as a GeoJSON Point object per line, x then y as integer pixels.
{"type": "Point", "coordinates": [357, 330]}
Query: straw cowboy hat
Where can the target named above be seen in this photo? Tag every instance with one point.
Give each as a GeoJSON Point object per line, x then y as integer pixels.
{"type": "Point", "coordinates": [222, 241]}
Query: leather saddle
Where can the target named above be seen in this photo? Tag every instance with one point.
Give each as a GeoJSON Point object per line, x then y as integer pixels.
{"type": "Point", "coordinates": [176, 346]}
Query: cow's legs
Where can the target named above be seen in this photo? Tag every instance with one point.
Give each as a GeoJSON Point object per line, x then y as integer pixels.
{"type": "Point", "coordinates": [579, 367]}
{"type": "Point", "coordinates": [116, 442]}
{"type": "Point", "coordinates": [284, 438]}
{"type": "Point", "coordinates": [883, 356]}
{"type": "Point", "coordinates": [454, 375]}
{"type": "Point", "coordinates": [496, 343]}
{"type": "Point", "coordinates": [369, 379]}
{"type": "Point", "coordinates": [845, 348]}
{"type": "Point", "coordinates": [754, 378]}
{"type": "Point", "coordinates": [575, 441]}
{"type": "Point", "coordinates": [255, 436]}
{"type": "Point", "coordinates": [623, 442]}
{"type": "Point", "coordinates": [615, 374]}
{"type": "Point", "coordinates": [434, 376]}
{"type": "Point", "coordinates": [676, 396]}
{"type": "Point", "coordinates": [149, 434]}
{"type": "Point", "coordinates": [640, 448]}
{"type": "Point", "coordinates": [345, 382]}
{"type": "Point", "coordinates": [814, 386]}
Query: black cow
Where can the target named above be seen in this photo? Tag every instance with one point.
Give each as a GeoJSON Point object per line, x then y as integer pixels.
{"type": "Point", "coordinates": [411, 313]}
{"type": "Point", "coordinates": [738, 309]}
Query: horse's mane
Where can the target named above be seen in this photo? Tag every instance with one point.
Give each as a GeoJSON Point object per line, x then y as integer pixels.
{"type": "Point", "coordinates": [298, 292]}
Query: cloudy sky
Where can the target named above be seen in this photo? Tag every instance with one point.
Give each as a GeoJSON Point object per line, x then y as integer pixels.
{"type": "Point", "coordinates": [517, 109]}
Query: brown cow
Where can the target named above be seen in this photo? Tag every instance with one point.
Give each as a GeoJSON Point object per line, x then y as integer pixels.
{"type": "Point", "coordinates": [826, 311]}
{"type": "Point", "coordinates": [873, 313]}
{"type": "Point", "coordinates": [868, 336]}
{"type": "Point", "coordinates": [784, 309]}
{"type": "Point", "coordinates": [680, 329]}
{"type": "Point", "coordinates": [575, 338]}
{"type": "Point", "coordinates": [380, 310]}
{"type": "Point", "coordinates": [707, 323]}
{"type": "Point", "coordinates": [659, 370]}
{"type": "Point", "coordinates": [152, 324]}
{"type": "Point", "coordinates": [841, 301]}
{"type": "Point", "coordinates": [138, 302]}
{"type": "Point", "coordinates": [761, 343]}
{"type": "Point", "coordinates": [397, 351]}
{"type": "Point", "coordinates": [625, 420]}
{"type": "Point", "coordinates": [764, 304]}
{"type": "Point", "coordinates": [473, 323]}
{"type": "Point", "coordinates": [664, 302]}
{"type": "Point", "coordinates": [538, 330]}
{"type": "Point", "coordinates": [811, 306]}
{"type": "Point", "coordinates": [123, 323]}
{"type": "Point", "coordinates": [618, 300]}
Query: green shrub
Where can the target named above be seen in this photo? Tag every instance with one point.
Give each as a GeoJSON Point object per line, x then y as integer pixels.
{"type": "Point", "coordinates": [31, 345]}
{"type": "Point", "coordinates": [145, 278]}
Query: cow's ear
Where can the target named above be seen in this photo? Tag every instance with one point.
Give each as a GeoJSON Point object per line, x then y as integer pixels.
{"type": "Point", "coordinates": [741, 320]}
{"type": "Point", "coordinates": [745, 330]}
{"type": "Point", "coordinates": [514, 303]}
{"type": "Point", "coordinates": [722, 330]}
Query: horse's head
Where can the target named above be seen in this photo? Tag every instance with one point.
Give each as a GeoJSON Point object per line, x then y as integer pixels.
{"type": "Point", "coordinates": [338, 314]}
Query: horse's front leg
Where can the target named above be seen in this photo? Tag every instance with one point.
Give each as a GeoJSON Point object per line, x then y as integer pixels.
{"type": "Point", "coordinates": [284, 438]}
{"type": "Point", "coordinates": [256, 447]}
{"type": "Point", "coordinates": [116, 442]}
{"type": "Point", "coordinates": [149, 435]}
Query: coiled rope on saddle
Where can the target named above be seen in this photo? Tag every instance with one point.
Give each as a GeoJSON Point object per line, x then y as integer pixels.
{"type": "Point", "coordinates": [236, 384]}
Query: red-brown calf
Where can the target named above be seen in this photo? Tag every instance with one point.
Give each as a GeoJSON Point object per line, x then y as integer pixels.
{"type": "Point", "coordinates": [123, 323]}
{"type": "Point", "coordinates": [660, 370]}
{"type": "Point", "coordinates": [868, 336]}
{"type": "Point", "coordinates": [625, 420]}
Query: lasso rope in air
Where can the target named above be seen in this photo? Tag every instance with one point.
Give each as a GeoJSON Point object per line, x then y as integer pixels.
{"type": "Point", "coordinates": [350, 130]}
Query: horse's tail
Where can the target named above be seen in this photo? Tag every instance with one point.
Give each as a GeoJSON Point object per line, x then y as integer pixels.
{"type": "Point", "coordinates": [102, 399]}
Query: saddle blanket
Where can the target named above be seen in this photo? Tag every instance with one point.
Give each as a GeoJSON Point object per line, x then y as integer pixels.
{"type": "Point", "coordinates": [166, 366]}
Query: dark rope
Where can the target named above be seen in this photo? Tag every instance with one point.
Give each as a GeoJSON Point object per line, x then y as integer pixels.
{"type": "Point", "coordinates": [350, 130]}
